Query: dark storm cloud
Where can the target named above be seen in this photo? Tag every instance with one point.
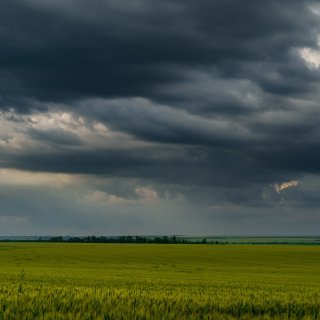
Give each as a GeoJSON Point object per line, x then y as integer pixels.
{"type": "Point", "coordinates": [160, 123]}
{"type": "Point", "coordinates": [54, 136]}
{"type": "Point", "coordinates": [212, 94]}
{"type": "Point", "coordinates": [176, 165]}
{"type": "Point", "coordinates": [58, 50]}
{"type": "Point", "coordinates": [111, 161]}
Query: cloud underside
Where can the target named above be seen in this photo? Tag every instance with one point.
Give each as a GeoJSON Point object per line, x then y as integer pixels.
{"type": "Point", "coordinates": [191, 107]}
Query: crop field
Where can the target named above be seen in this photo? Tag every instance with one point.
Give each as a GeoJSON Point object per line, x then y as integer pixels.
{"type": "Point", "coordinates": [133, 281]}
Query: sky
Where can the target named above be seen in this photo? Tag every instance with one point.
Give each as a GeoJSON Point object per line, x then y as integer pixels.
{"type": "Point", "coordinates": [143, 117]}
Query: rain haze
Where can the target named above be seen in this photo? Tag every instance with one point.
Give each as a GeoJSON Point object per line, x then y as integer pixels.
{"type": "Point", "coordinates": [196, 117]}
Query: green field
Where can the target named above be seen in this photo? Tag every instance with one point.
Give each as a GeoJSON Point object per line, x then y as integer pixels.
{"type": "Point", "coordinates": [123, 281]}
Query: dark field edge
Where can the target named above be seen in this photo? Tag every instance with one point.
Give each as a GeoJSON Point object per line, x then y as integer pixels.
{"type": "Point", "coordinates": [210, 240]}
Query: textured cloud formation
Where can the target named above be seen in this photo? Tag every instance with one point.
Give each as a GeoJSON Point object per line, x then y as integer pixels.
{"type": "Point", "coordinates": [135, 115]}
{"type": "Point", "coordinates": [286, 185]}
{"type": "Point", "coordinates": [312, 57]}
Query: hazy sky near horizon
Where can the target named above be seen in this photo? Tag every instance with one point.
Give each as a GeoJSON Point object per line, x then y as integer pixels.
{"type": "Point", "coordinates": [159, 117]}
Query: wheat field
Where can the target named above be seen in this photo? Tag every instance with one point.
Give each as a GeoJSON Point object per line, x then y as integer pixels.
{"type": "Point", "coordinates": [132, 281]}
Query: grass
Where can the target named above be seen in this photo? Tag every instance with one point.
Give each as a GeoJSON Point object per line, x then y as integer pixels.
{"type": "Point", "coordinates": [123, 281]}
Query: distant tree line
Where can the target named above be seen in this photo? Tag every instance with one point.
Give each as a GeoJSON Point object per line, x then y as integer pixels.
{"type": "Point", "coordinates": [124, 239]}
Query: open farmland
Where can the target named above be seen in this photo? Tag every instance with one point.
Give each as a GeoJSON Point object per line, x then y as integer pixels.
{"type": "Point", "coordinates": [123, 281]}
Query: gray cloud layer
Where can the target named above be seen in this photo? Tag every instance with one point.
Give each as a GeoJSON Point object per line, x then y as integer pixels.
{"type": "Point", "coordinates": [211, 100]}
{"type": "Point", "coordinates": [70, 50]}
